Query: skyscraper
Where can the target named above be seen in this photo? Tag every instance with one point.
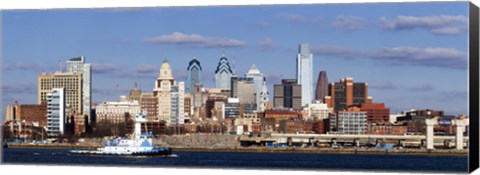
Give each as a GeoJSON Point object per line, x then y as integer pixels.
{"type": "Point", "coordinates": [257, 81]}
{"type": "Point", "coordinates": [304, 72]}
{"type": "Point", "coordinates": [72, 84]}
{"type": "Point", "coordinates": [223, 73]}
{"type": "Point", "coordinates": [194, 75]}
{"type": "Point", "coordinates": [322, 86]}
{"type": "Point", "coordinates": [56, 112]}
{"type": "Point", "coordinates": [287, 95]}
{"type": "Point", "coordinates": [346, 93]}
{"type": "Point", "coordinates": [78, 66]}
{"type": "Point", "coordinates": [243, 88]}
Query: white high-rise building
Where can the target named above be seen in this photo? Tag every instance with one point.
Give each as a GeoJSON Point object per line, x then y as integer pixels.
{"type": "Point", "coordinates": [78, 66]}
{"type": "Point", "coordinates": [163, 92]}
{"type": "Point", "coordinates": [305, 72]}
{"type": "Point", "coordinates": [258, 83]}
{"type": "Point", "coordinates": [316, 111]}
{"type": "Point", "coordinates": [177, 104]}
{"type": "Point", "coordinates": [56, 112]}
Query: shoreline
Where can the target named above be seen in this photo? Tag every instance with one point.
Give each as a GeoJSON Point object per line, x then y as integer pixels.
{"type": "Point", "coordinates": [360, 151]}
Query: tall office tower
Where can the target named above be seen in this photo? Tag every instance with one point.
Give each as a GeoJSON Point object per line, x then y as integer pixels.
{"type": "Point", "coordinates": [346, 93]}
{"type": "Point", "coordinates": [287, 95]}
{"type": "Point", "coordinates": [243, 88]}
{"type": "Point", "coordinates": [305, 72]}
{"type": "Point", "coordinates": [264, 96]}
{"type": "Point", "coordinates": [258, 82]}
{"type": "Point", "coordinates": [322, 86]}
{"type": "Point", "coordinates": [72, 84]}
{"type": "Point", "coordinates": [78, 66]}
{"type": "Point", "coordinates": [194, 75]}
{"type": "Point", "coordinates": [223, 73]}
{"type": "Point", "coordinates": [56, 112]}
{"type": "Point", "coordinates": [177, 105]}
{"type": "Point", "coordinates": [163, 92]}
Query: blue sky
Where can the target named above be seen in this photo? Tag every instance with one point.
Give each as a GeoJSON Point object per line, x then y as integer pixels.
{"type": "Point", "coordinates": [412, 55]}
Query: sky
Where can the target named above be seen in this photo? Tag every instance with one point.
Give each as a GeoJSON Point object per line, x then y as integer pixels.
{"type": "Point", "coordinates": [412, 55]}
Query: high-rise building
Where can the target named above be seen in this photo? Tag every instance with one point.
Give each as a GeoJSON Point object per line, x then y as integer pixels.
{"type": "Point", "coordinates": [322, 86]}
{"type": "Point", "coordinates": [287, 95]}
{"type": "Point", "coordinates": [177, 105]}
{"type": "Point", "coordinates": [347, 93]}
{"type": "Point", "coordinates": [56, 112]}
{"type": "Point", "coordinates": [194, 75]}
{"type": "Point", "coordinates": [163, 92]}
{"type": "Point", "coordinates": [78, 66]}
{"type": "Point", "coordinates": [243, 88]}
{"type": "Point", "coordinates": [223, 74]}
{"type": "Point", "coordinates": [305, 72]}
{"type": "Point", "coordinates": [258, 82]}
{"type": "Point", "coordinates": [72, 84]}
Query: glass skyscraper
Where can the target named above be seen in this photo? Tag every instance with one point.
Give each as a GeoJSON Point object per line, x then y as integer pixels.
{"type": "Point", "coordinates": [194, 75]}
{"type": "Point", "coordinates": [223, 74]}
{"type": "Point", "coordinates": [305, 72]}
{"type": "Point", "coordinates": [78, 66]}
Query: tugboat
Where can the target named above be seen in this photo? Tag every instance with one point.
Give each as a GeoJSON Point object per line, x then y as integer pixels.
{"type": "Point", "coordinates": [139, 145]}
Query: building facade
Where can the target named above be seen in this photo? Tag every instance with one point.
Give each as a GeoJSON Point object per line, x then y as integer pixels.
{"type": "Point", "coordinates": [223, 74]}
{"type": "Point", "coordinates": [149, 104]}
{"type": "Point", "coordinates": [264, 97]}
{"type": "Point", "coordinates": [56, 112]}
{"type": "Point", "coordinates": [163, 92]}
{"type": "Point", "coordinates": [258, 80]}
{"type": "Point", "coordinates": [376, 112]}
{"type": "Point", "coordinates": [116, 112]}
{"type": "Point", "coordinates": [194, 75]}
{"type": "Point", "coordinates": [316, 111]}
{"type": "Point", "coordinates": [352, 121]}
{"type": "Point", "coordinates": [322, 86]}
{"type": "Point", "coordinates": [243, 88]}
{"type": "Point", "coordinates": [27, 112]}
{"type": "Point", "coordinates": [305, 72]}
{"type": "Point", "coordinates": [347, 93]}
{"type": "Point", "coordinates": [78, 66]}
{"type": "Point", "coordinates": [177, 105]}
{"type": "Point", "coordinates": [287, 95]}
{"type": "Point", "coordinates": [72, 84]}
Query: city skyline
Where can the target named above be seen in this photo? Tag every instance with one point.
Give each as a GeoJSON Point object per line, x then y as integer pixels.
{"type": "Point", "coordinates": [402, 72]}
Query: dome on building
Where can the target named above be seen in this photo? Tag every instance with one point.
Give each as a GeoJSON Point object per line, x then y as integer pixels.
{"type": "Point", "coordinates": [165, 71]}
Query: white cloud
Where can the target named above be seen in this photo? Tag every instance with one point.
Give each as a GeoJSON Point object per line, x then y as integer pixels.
{"type": "Point", "coordinates": [441, 25]}
{"type": "Point", "coordinates": [195, 40]}
{"type": "Point", "coordinates": [265, 44]}
{"type": "Point", "coordinates": [428, 57]}
{"type": "Point", "coordinates": [347, 23]}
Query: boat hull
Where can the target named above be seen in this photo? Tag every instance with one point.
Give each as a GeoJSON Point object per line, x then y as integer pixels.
{"type": "Point", "coordinates": [153, 152]}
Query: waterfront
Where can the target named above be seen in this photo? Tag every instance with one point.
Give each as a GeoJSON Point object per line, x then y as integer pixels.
{"type": "Point", "coordinates": [248, 160]}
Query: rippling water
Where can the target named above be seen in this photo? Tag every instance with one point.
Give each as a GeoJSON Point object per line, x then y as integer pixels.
{"type": "Point", "coordinates": [248, 160]}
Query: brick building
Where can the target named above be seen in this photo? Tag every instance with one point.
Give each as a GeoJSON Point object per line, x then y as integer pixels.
{"type": "Point", "coordinates": [376, 112]}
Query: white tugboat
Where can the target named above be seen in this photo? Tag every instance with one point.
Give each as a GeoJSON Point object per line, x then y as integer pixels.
{"type": "Point", "coordinates": [140, 145]}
